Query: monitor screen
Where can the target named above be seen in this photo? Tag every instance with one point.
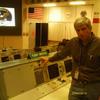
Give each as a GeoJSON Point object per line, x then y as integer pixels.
{"type": "Point", "coordinates": [53, 71]}
{"type": "Point", "coordinates": [68, 65]}
{"type": "Point", "coordinates": [7, 17]}
{"type": "Point", "coordinates": [17, 56]}
{"type": "Point", "coordinates": [5, 59]}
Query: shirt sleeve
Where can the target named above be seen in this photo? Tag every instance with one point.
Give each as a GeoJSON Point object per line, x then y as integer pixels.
{"type": "Point", "coordinates": [66, 51]}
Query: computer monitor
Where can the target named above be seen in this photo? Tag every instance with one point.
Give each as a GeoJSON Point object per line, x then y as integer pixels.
{"type": "Point", "coordinates": [4, 59]}
{"type": "Point", "coordinates": [17, 56]}
{"type": "Point", "coordinates": [53, 70]}
{"type": "Point", "coordinates": [68, 65]}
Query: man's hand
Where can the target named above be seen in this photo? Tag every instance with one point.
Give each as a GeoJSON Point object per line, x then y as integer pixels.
{"type": "Point", "coordinates": [44, 60]}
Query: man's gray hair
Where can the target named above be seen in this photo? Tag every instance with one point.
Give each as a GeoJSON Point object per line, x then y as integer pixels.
{"type": "Point", "coordinates": [82, 21]}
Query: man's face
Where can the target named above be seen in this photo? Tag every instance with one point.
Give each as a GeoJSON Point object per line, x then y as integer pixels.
{"type": "Point", "coordinates": [83, 32]}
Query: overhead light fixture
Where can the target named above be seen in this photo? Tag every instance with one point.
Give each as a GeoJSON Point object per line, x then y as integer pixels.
{"type": "Point", "coordinates": [49, 5]}
{"type": "Point", "coordinates": [77, 2]}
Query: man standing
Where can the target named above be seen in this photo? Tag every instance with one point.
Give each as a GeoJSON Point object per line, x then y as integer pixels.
{"type": "Point", "coordinates": [85, 52]}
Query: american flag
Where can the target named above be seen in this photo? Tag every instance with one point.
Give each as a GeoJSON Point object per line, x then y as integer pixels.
{"type": "Point", "coordinates": [37, 14]}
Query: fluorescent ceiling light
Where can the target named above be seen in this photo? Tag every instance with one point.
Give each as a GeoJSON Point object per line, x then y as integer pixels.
{"type": "Point", "coordinates": [49, 4]}
{"type": "Point", "coordinates": [77, 2]}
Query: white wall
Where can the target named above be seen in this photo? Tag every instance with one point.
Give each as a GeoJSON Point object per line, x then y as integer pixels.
{"type": "Point", "coordinates": [11, 41]}
{"type": "Point", "coordinates": [61, 26]}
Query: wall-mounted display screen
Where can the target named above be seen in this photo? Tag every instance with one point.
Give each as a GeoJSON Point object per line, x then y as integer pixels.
{"type": "Point", "coordinates": [7, 17]}
{"type": "Point", "coordinates": [10, 18]}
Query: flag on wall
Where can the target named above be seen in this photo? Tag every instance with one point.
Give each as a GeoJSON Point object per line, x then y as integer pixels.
{"type": "Point", "coordinates": [35, 13]}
